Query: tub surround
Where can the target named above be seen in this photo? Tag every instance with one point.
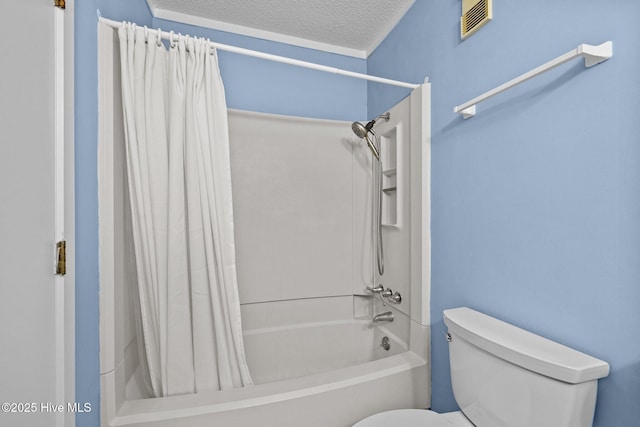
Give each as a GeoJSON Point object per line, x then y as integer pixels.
{"type": "Point", "coordinates": [301, 193]}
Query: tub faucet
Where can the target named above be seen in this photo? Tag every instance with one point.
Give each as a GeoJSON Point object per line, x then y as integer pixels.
{"type": "Point", "coordinates": [387, 316]}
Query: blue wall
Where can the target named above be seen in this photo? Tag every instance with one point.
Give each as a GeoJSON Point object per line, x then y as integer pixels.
{"type": "Point", "coordinates": [536, 200]}
{"type": "Point", "coordinates": [250, 84]}
{"type": "Point", "coordinates": [257, 85]}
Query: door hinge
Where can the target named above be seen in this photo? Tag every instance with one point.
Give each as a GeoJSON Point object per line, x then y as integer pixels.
{"type": "Point", "coordinates": [61, 258]}
{"type": "Point", "coordinates": [59, 3]}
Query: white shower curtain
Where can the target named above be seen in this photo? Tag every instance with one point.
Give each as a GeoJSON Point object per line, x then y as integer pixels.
{"type": "Point", "coordinates": [178, 163]}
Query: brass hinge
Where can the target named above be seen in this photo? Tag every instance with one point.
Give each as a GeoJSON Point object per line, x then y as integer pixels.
{"type": "Point", "coordinates": [59, 3]}
{"type": "Point", "coordinates": [61, 258]}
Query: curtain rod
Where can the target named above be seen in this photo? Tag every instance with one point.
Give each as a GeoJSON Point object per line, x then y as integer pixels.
{"type": "Point", "coordinates": [284, 60]}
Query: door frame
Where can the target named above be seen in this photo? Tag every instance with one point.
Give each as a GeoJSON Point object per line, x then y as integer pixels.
{"type": "Point", "coordinates": [64, 210]}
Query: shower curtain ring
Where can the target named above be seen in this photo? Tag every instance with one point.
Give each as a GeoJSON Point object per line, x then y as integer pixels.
{"type": "Point", "coordinates": [159, 40]}
{"type": "Point", "coordinates": [173, 43]}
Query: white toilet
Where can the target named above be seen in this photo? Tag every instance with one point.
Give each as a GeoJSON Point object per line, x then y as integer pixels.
{"type": "Point", "coordinates": [504, 376]}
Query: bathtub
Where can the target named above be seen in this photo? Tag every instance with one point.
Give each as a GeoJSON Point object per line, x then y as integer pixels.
{"type": "Point", "coordinates": [317, 374]}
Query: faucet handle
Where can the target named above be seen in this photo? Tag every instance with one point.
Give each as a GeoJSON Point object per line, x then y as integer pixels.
{"type": "Point", "coordinates": [395, 298]}
{"type": "Point", "coordinates": [375, 290]}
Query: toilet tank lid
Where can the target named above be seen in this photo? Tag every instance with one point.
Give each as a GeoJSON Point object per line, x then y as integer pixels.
{"type": "Point", "coordinates": [524, 348]}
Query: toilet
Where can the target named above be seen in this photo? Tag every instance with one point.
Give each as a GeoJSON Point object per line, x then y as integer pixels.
{"type": "Point", "coordinates": [504, 376]}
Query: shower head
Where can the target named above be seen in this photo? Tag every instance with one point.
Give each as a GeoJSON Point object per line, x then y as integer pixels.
{"type": "Point", "coordinates": [363, 131]}
{"type": "Point", "coordinates": [359, 129]}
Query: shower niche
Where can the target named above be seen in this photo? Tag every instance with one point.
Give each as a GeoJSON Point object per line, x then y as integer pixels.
{"type": "Point", "coordinates": [389, 159]}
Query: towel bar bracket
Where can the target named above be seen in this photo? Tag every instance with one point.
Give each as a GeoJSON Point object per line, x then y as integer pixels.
{"type": "Point", "coordinates": [593, 55]}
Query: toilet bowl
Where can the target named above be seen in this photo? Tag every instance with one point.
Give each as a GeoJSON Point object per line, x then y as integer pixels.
{"type": "Point", "coordinates": [415, 418]}
{"type": "Point", "coordinates": [504, 376]}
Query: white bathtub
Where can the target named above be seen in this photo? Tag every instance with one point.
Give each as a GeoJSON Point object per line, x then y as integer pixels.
{"type": "Point", "coordinates": [283, 353]}
{"type": "Point", "coordinates": [328, 374]}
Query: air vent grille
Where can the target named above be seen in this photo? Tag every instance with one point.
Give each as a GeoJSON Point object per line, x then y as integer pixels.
{"type": "Point", "coordinates": [474, 16]}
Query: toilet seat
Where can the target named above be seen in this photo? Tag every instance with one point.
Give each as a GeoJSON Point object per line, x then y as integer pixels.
{"type": "Point", "coordinates": [405, 418]}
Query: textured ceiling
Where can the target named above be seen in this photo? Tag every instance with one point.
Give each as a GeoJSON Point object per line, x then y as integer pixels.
{"type": "Point", "coordinates": [350, 27]}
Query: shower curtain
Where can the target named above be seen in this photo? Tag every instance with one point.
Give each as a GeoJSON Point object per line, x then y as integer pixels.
{"type": "Point", "coordinates": [177, 147]}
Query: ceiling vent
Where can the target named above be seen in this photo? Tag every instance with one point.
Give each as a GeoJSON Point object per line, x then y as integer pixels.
{"type": "Point", "coordinates": [475, 13]}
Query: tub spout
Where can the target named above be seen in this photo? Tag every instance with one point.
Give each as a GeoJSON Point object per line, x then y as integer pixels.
{"type": "Point", "coordinates": [387, 316]}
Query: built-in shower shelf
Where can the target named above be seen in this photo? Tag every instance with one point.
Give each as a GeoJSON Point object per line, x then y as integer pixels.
{"type": "Point", "coordinates": [390, 192]}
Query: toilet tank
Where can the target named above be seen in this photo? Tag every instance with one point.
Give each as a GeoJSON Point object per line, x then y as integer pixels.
{"type": "Point", "coordinates": [504, 376]}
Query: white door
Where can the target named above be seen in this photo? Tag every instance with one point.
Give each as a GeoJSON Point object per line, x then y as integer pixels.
{"type": "Point", "coordinates": [31, 381]}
